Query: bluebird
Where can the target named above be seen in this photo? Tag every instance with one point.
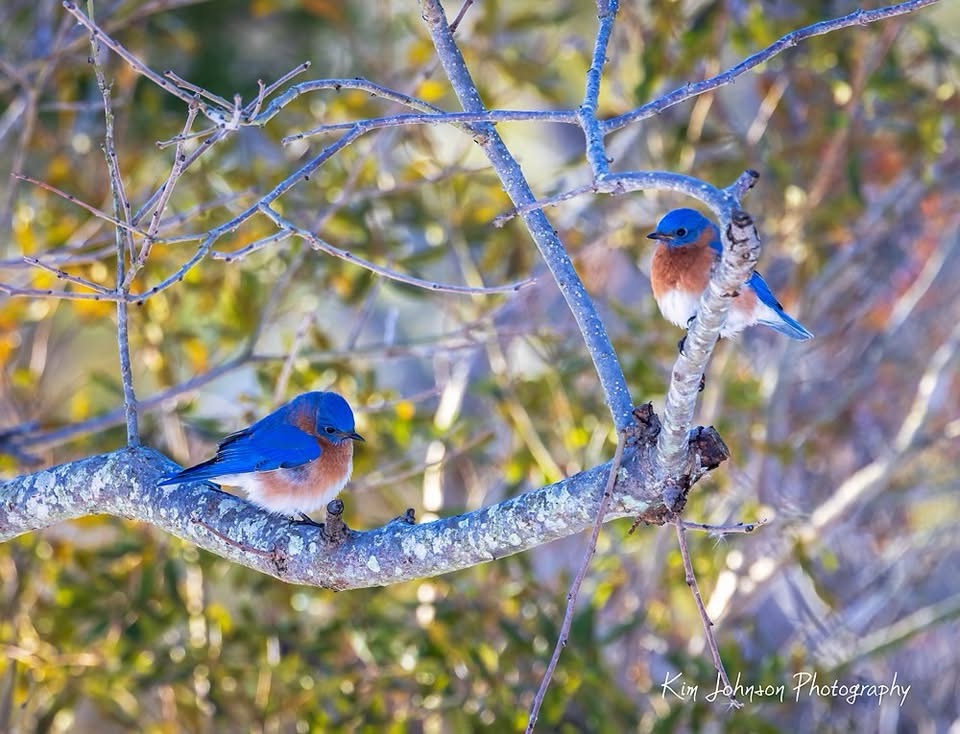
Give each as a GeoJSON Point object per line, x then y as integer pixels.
{"type": "Point", "coordinates": [292, 462]}
{"type": "Point", "coordinates": [689, 249]}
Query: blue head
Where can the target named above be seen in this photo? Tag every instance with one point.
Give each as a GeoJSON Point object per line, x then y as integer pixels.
{"type": "Point", "coordinates": [331, 415]}
{"type": "Point", "coordinates": [684, 227]}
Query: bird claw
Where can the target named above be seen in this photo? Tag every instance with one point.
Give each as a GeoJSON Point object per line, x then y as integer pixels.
{"type": "Point", "coordinates": [407, 518]}
{"type": "Point", "coordinates": [683, 341]}
{"type": "Point", "coordinates": [304, 519]}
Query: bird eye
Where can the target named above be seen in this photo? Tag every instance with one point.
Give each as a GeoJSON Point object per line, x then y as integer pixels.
{"type": "Point", "coordinates": [681, 232]}
{"type": "Point", "coordinates": [330, 429]}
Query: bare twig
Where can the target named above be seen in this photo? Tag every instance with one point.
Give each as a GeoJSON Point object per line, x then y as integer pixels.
{"type": "Point", "coordinates": [124, 242]}
{"type": "Point", "coordinates": [721, 530]}
{"type": "Point", "coordinates": [97, 33]}
{"type": "Point", "coordinates": [319, 244]}
{"type": "Point", "coordinates": [166, 191]}
{"type": "Point", "coordinates": [577, 582]}
{"type": "Point", "coordinates": [64, 275]}
{"type": "Point", "coordinates": [99, 213]}
{"type": "Point", "coordinates": [691, 580]}
{"type": "Point", "coordinates": [687, 91]}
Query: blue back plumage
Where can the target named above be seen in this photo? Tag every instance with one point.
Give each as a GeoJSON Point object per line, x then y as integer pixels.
{"type": "Point", "coordinates": [283, 439]}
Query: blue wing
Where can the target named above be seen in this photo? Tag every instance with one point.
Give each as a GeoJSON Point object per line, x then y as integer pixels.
{"type": "Point", "coordinates": [786, 325]}
{"type": "Point", "coordinates": [261, 447]}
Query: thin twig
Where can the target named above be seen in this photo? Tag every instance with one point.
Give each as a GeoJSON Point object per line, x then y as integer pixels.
{"type": "Point", "coordinates": [457, 119]}
{"type": "Point", "coordinates": [691, 580]}
{"type": "Point", "coordinates": [64, 275]}
{"type": "Point", "coordinates": [502, 219]}
{"type": "Point", "coordinates": [166, 191]}
{"type": "Point", "coordinates": [319, 244]}
{"type": "Point", "coordinates": [98, 213]}
{"type": "Point", "coordinates": [124, 242]}
{"type": "Point", "coordinates": [720, 530]}
{"type": "Point", "coordinates": [687, 91]}
{"type": "Point", "coordinates": [577, 582]}
{"type": "Point", "coordinates": [136, 64]}
{"type": "Point", "coordinates": [286, 369]}
{"type": "Point", "coordinates": [455, 23]}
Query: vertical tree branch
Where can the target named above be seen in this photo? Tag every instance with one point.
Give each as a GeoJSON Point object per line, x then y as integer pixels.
{"type": "Point", "coordinates": [741, 248]}
{"type": "Point", "coordinates": [596, 152]}
{"type": "Point", "coordinates": [591, 326]}
{"type": "Point", "coordinates": [124, 242]}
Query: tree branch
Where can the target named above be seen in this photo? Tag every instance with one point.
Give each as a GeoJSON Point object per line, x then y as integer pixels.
{"type": "Point", "coordinates": [124, 484]}
{"type": "Point", "coordinates": [741, 248]}
{"type": "Point", "coordinates": [551, 249]}
{"type": "Point", "coordinates": [596, 152]}
{"type": "Point", "coordinates": [687, 91]}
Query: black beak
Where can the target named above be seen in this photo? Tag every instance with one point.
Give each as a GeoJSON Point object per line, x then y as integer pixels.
{"type": "Point", "coordinates": [658, 236]}
{"type": "Point", "coordinates": [355, 436]}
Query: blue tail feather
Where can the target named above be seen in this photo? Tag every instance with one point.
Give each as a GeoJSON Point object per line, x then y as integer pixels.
{"type": "Point", "coordinates": [789, 326]}
{"type": "Point", "coordinates": [786, 325]}
{"type": "Point", "coordinates": [206, 470]}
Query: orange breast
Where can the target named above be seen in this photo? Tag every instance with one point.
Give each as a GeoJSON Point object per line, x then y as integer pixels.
{"type": "Point", "coordinates": [334, 465]}
{"type": "Point", "coordinates": [312, 485]}
{"type": "Point", "coordinates": [684, 268]}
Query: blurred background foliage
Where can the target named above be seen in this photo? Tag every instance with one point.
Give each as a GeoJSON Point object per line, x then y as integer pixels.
{"type": "Point", "coordinates": [113, 626]}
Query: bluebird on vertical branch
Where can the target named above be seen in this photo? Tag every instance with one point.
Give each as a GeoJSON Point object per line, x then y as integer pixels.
{"type": "Point", "coordinates": [292, 462]}
{"type": "Point", "coordinates": [689, 250]}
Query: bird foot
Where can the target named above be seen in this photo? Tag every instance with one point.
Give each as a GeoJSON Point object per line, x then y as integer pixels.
{"type": "Point", "coordinates": [683, 341]}
{"type": "Point", "coordinates": [304, 519]}
{"type": "Point", "coordinates": [407, 518]}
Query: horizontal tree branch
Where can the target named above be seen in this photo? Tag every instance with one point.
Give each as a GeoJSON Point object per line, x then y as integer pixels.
{"type": "Point", "coordinates": [124, 484]}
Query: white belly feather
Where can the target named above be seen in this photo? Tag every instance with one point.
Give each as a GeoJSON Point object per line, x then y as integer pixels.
{"type": "Point", "coordinates": [678, 306]}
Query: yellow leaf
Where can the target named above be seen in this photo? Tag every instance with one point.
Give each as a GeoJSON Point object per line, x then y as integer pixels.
{"type": "Point", "coordinates": [94, 310]}
{"type": "Point", "coordinates": [431, 90]}
{"type": "Point", "coordinates": [196, 353]}
{"type": "Point", "coordinates": [420, 52]}
{"type": "Point", "coordinates": [79, 406]}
